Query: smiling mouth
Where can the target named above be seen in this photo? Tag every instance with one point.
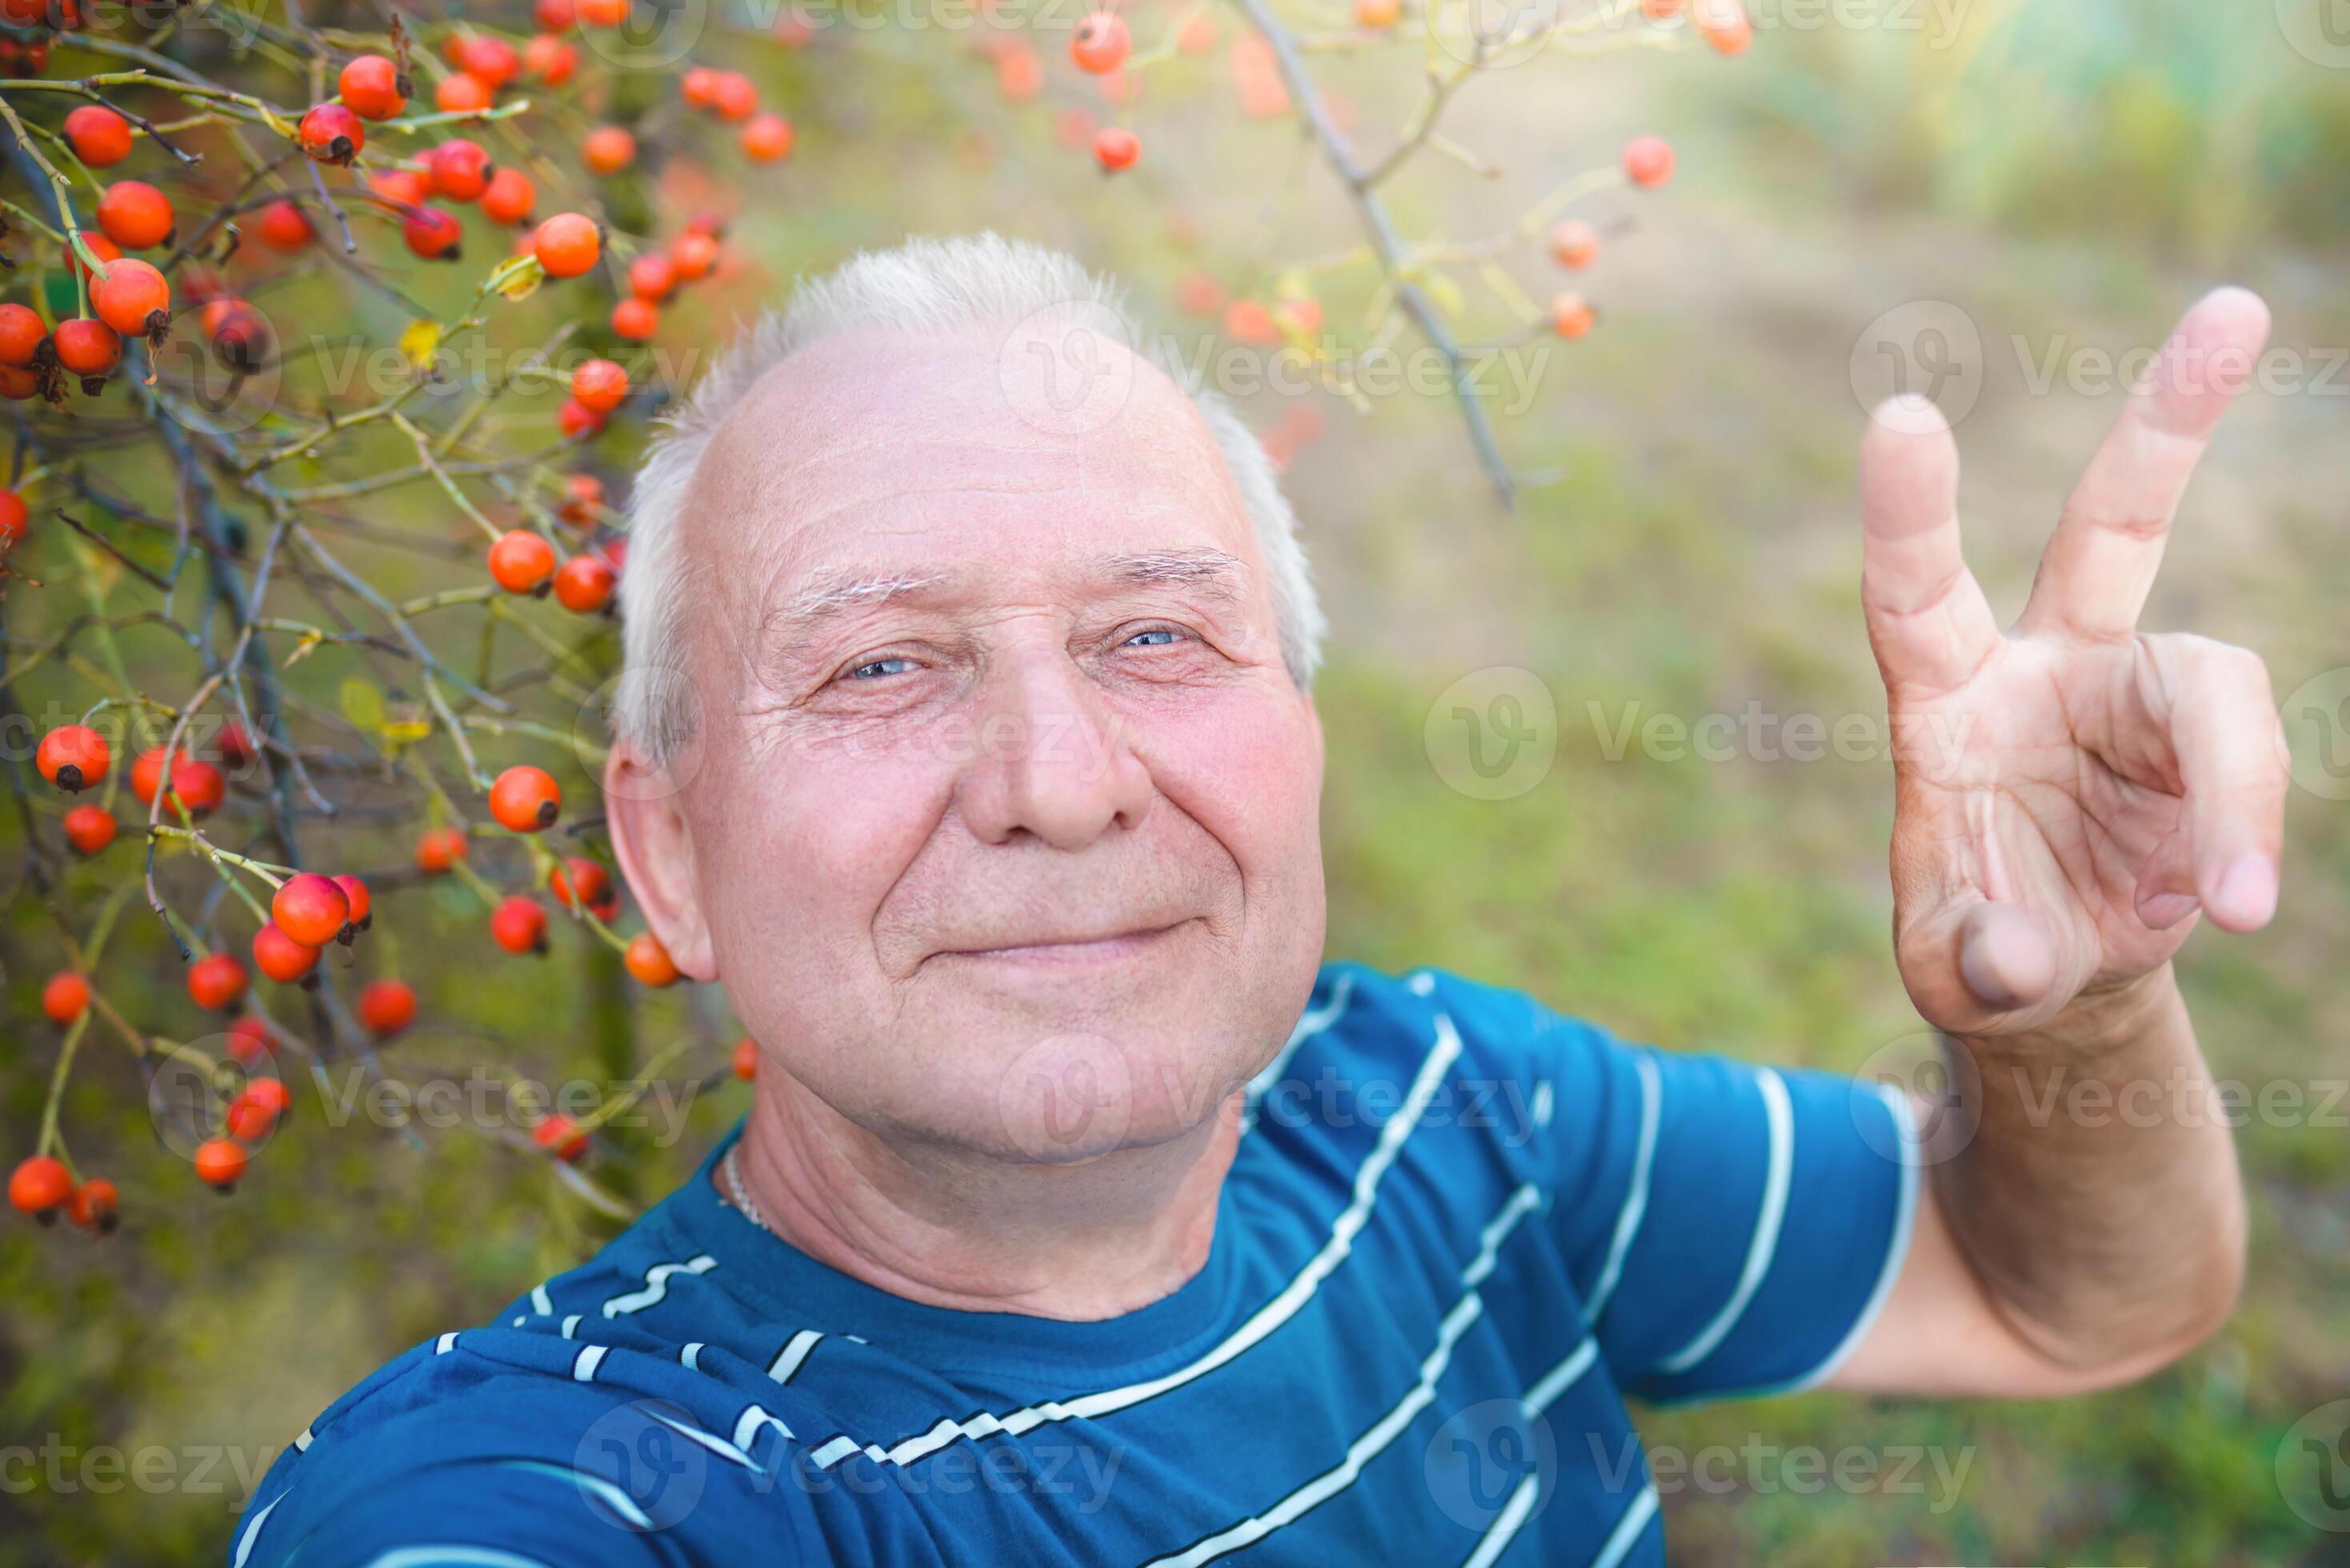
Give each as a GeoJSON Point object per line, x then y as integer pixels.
{"type": "Point", "coordinates": [1071, 950]}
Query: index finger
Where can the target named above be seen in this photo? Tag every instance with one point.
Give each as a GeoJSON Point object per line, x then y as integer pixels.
{"type": "Point", "coordinates": [2100, 564]}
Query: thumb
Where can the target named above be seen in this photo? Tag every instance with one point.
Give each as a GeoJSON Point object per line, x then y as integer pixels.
{"type": "Point", "coordinates": [1978, 960]}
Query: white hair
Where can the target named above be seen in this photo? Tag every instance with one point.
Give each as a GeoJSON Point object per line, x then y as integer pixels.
{"type": "Point", "coordinates": [923, 286]}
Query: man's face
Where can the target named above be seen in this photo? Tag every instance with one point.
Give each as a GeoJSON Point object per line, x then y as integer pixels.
{"type": "Point", "coordinates": [1001, 820]}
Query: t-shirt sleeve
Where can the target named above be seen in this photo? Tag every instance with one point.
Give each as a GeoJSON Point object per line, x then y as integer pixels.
{"type": "Point", "coordinates": [515, 1473]}
{"type": "Point", "coordinates": [1731, 1229]}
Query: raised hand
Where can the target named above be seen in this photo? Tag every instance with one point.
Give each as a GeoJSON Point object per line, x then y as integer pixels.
{"type": "Point", "coordinates": [2071, 793]}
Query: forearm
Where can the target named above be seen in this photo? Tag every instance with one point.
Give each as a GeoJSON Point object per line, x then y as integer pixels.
{"type": "Point", "coordinates": [2097, 1198]}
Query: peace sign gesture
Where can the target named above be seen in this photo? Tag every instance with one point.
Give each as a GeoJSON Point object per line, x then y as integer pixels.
{"type": "Point", "coordinates": [2070, 793]}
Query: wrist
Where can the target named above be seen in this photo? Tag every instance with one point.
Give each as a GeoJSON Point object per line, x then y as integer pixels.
{"type": "Point", "coordinates": [2099, 1021]}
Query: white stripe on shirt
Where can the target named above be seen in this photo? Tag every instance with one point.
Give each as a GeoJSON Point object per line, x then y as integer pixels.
{"type": "Point", "coordinates": [1635, 1200]}
{"type": "Point", "coordinates": [1781, 1115]}
{"type": "Point", "coordinates": [1367, 1448]}
{"type": "Point", "coordinates": [1275, 1313]}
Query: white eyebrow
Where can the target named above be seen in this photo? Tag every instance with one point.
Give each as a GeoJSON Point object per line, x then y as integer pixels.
{"type": "Point", "coordinates": [829, 593]}
{"type": "Point", "coordinates": [1215, 570]}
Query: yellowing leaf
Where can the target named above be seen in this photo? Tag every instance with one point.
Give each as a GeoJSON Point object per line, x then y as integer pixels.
{"type": "Point", "coordinates": [421, 341]}
{"type": "Point", "coordinates": [524, 283]}
{"type": "Point", "coordinates": [405, 732]}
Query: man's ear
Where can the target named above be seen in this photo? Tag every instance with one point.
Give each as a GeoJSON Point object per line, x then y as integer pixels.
{"type": "Point", "coordinates": [644, 813]}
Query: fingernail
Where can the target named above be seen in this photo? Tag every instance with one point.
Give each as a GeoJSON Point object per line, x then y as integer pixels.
{"type": "Point", "coordinates": [2248, 889]}
{"type": "Point", "coordinates": [2165, 910]}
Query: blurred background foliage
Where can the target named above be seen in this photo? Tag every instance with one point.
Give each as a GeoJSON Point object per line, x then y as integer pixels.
{"type": "Point", "coordinates": [2069, 172]}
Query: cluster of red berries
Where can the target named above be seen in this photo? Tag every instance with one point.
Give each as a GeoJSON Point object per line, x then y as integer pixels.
{"type": "Point", "coordinates": [653, 277]}
{"type": "Point", "coordinates": [765, 137]}
{"type": "Point", "coordinates": [43, 1188]}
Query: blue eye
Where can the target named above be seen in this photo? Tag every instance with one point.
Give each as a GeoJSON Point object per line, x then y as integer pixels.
{"type": "Point", "coordinates": [1156, 636]}
{"type": "Point", "coordinates": [879, 668]}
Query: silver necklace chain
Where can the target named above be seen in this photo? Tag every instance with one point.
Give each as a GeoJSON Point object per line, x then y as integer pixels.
{"type": "Point", "coordinates": [732, 1167]}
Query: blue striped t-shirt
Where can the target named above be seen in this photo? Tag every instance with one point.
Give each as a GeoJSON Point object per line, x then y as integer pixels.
{"type": "Point", "coordinates": [1458, 1231]}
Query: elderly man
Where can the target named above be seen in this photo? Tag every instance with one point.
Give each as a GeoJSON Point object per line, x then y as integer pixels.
{"type": "Point", "coordinates": [1085, 1215]}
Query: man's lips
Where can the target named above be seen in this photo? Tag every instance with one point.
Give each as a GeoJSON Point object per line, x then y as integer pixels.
{"type": "Point", "coordinates": [1070, 948]}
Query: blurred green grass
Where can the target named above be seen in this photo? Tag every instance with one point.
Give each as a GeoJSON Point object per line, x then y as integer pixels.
{"type": "Point", "coordinates": [2066, 164]}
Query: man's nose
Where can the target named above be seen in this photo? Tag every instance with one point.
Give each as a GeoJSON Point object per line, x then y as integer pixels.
{"type": "Point", "coordinates": [1050, 761]}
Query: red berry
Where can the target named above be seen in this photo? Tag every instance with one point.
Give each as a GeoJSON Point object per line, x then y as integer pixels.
{"type": "Point", "coordinates": [521, 561]}
{"type": "Point", "coordinates": [746, 1057]}
{"type": "Point", "coordinates": [1571, 315]}
{"type": "Point", "coordinates": [556, 15]}
{"type": "Point", "coordinates": [461, 93]}
{"type": "Point", "coordinates": [584, 586]}
{"type": "Point", "coordinates": [560, 1136]}
{"type": "Point", "coordinates": [599, 385]}
{"type": "Point", "coordinates": [735, 97]}
{"type": "Point", "coordinates": [1648, 161]}
{"type": "Point", "coordinates": [310, 909]}
{"type": "Point", "coordinates": [90, 828]}
{"type": "Point", "coordinates": [386, 1006]}
{"type": "Point", "coordinates": [583, 499]}
{"type": "Point", "coordinates": [361, 914]}
{"type": "Point", "coordinates": [493, 61]}
{"type": "Point", "coordinates": [549, 59]}
{"type": "Point", "coordinates": [135, 214]}
{"type": "Point", "coordinates": [695, 253]}
{"type": "Point", "coordinates": [650, 278]}
{"type": "Point", "coordinates": [95, 1205]}
{"type": "Point", "coordinates": [332, 133]}
{"type": "Point", "coordinates": [371, 87]}
{"type": "Point", "coordinates": [432, 233]}
{"type": "Point", "coordinates": [200, 786]}
{"type": "Point", "coordinates": [460, 168]}
{"type": "Point", "coordinates": [219, 1163]}
{"type": "Point", "coordinates": [101, 137]}
{"type": "Point", "coordinates": [566, 245]}
{"type": "Point", "coordinates": [284, 226]}
{"type": "Point", "coordinates": [1116, 147]}
{"type": "Point", "coordinates": [248, 1040]}
{"type": "Point", "coordinates": [21, 334]}
{"type": "Point", "coordinates": [1574, 244]}
{"type": "Point", "coordinates": [65, 996]}
{"type": "Point", "coordinates": [438, 848]}
{"type": "Point", "coordinates": [72, 756]}
{"type": "Point", "coordinates": [132, 297]}
{"type": "Point", "coordinates": [580, 877]}
{"type": "Point", "coordinates": [608, 149]}
{"type": "Point", "coordinates": [256, 1107]}
{"type": "Point", "coordinates": [576, 419]}
{"type": "Point", "coordinates": [40, 1187]}
{"type": "Point", "coordinates": [215, 982]}
{"type": "Point", "coordinates": [238, 333]}
{"type": "Point", "coordinates": [525, 799]}
{"type": "Point", "coordinates": [636, 319]}
{"type": "Point", "coordinates": [280, 956]}
{"type": "Point", "coordinates": [767, 139]}
{"type": "Point", "coordinates": [509, 197]}
{"type": "Point", "coordinates": [88, 348]}
{"type": "Point", "coordinates": [603, 13]}
{"type": "Point", "coordinates": [1101, 43]}
{"type": "Point", "coordinates": [649, 961]}
{"type": "Point", "coordinates": [15, 516]}
{"type": "Point", "coordinates": [519, 925]}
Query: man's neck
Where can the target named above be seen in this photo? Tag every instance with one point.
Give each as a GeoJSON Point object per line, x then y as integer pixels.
{"type": "Point", "coordinates": [1081, 1241]}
